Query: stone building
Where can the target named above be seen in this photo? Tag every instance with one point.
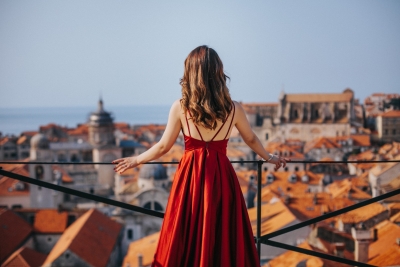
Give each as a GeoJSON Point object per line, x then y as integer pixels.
{"type": "Point", "coordinates": [304, 116]}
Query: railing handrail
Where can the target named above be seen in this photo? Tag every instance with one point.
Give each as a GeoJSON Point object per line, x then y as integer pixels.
{"type": "Point", "coordinates": [177, 162]}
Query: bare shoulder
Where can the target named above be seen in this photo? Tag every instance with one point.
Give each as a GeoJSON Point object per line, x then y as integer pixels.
{"type": "Point", "coordinates": [176, 106]}
{"type": "Point", "coordinates": [238, 107]}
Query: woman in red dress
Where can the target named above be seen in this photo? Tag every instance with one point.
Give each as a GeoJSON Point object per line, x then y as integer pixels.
{"type": "Point", "coordinates": [206, 223]}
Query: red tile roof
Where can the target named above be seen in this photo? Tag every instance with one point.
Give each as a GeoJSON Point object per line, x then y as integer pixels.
{"type": "Point", "coordinates": [292, 259]}
{"type": "Point", "coordinates": [25, 257]}
{"type": "Point", "coordinates": [14, 231]}
{"type": "Point", "coordinates": [391, 114]}
{"type": "Point", "coordinates": [50, 221]}
{"type": "Point", "coordinates": [146, 247]}
{"type": "Point", "coordinates": [12, 187]}
{"type": "Point", "coordinates": [92, 232]}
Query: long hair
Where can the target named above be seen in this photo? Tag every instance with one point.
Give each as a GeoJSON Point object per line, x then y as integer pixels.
{"type": "Point", "coordinates": [204, 90]}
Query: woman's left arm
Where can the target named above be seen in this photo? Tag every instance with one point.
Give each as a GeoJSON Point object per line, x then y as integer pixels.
{"type": "Point", "coordinates": [163, 146]}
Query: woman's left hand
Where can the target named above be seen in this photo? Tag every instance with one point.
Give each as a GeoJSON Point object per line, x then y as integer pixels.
{"type": "Point", "coordinates": [125, 163]}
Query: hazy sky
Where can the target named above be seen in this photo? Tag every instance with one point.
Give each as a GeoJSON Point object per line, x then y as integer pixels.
{"type": "Point", "coordinates": [64, 53]}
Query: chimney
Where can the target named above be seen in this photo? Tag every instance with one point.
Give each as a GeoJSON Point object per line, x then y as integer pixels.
{"type": "Point", "coordinates": [362, 238]}
{"type": "Point", "coordinates": [140, 260]}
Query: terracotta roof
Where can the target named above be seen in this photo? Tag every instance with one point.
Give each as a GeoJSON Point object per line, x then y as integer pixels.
{"type": "Point", "coordinates": [395, 218]}
{"type": "Point", "coordinates": [362, 214]}
{"type": "Point", "coordinates": [82, 129]}
{"type": "Point", "coordinates": [320, 142]}
{"type": "Point", "coordinates": [345, 188]}
{"type": "Point", "coordinates": [384, 251]}
{"type": "Point", "coordinates": [146, 247]}
{"type": "Point", "coordinates": [50, 221]}
{"type": "Point", "coordinates": [282, 149]}
{"type": "Point", "coordinates": [22, 140]}
{"type": "Point", "coordinates": [25, 257]}
{"type": "Point", "coordinates": [29, 133]}
{"type": "Point", "coordinates": [292, 259]}
{"type": "Point", "coordinates": [92, 232]}
{"type": "Point", "coordinates": [391, 114]}
{"type": "Point", "coordinates": [13, 231]}
{"type": "Point", "coordinates": [12, 187]}
{"type": "Point", "coordinates": [4, 140]}
{"type": "Point", "coordinates": [295, 98]}
{"type": "Point", "coordinates": [274, 215]}
{"type": "Point", "coordinates": [361, 139]}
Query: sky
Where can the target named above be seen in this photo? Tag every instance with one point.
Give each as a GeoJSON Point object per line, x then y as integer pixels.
{"type": "Point", "coordinates": [68, 53]}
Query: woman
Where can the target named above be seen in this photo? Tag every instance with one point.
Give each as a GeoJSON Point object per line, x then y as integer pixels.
{"type": "Point", "coordinates": [206, 221]}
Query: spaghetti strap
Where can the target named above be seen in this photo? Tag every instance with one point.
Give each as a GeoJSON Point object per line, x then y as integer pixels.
{"type": "Point", "coordinates": [224, 124]}
{"type": "Point", "coordinates": [233, 115]}
{"type": "Point", "coordinates": [187, 124]}
{"type": "Point", "coordinates": [194, 126]}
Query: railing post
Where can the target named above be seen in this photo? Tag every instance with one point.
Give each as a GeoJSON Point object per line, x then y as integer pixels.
{"type": "Point", "coordinates": [259, 172]}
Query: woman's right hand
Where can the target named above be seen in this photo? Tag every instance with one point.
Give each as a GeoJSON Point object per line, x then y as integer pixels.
{"type": "Point", "coordinates": [125, 163]}
{"type": "Point", "coordinates": [278, 161]}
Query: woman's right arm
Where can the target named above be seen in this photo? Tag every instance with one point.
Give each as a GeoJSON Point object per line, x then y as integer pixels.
{"type": "Point", "coordinates": [251, 139]}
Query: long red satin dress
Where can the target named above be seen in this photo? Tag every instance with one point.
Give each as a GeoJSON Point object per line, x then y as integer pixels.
{"type": "Point", "coordinates": [206, 223]}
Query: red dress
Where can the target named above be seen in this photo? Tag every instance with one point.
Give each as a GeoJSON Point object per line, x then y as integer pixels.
{"type": "Point", "coordinates": [206, 223]}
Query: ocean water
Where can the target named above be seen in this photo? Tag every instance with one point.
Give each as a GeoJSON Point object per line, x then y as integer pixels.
{"type": "Point", "coordinates": [16, 120]}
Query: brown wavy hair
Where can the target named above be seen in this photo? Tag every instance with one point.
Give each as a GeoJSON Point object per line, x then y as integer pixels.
{"type": "Point", "coordinates": [204, 90]}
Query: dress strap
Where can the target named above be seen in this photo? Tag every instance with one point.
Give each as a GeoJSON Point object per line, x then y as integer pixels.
{"type": "Point", "coordinates": [187, 124]}
{"type": "Point", "coordinates": [220, 128]}
{"type": "Point", "coordinates": [231, 120]}
{"type": "Point", "coordinates": [194, 126]}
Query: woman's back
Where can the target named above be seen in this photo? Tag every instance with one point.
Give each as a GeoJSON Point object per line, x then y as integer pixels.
{"type": "Point", "coordinates": [221, 132]}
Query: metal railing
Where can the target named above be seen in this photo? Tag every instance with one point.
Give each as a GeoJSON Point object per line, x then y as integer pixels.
{"type": "Point", "coordinates": [265, 239]}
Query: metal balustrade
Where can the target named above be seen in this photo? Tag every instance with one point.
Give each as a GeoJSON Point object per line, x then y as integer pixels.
{"type": "Point", "coordinates": [265, 239]}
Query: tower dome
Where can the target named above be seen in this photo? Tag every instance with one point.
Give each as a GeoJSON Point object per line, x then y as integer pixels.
{"type": "Point", "coordinates": [101, 127]}
{"type": "Point", "coordinates": [100, 117]}
{"type": "Point", "coordinates": [40, 141]}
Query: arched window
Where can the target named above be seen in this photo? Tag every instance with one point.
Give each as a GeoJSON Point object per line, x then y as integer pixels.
{"type": "Point", "coordinates": [157, 206]}
{"type": "Point", "coordinates": [147, 205]}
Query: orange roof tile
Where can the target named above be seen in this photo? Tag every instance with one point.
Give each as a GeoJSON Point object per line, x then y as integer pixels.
{"type": "Point", "coordinates": [319, 143]}
{"type": "Point", "coordinates": [284, 150]}
{"type": "Point", "coordinates": [25, 257]}
{"type": "Point", "coordinates": [82, 129]}
{"type": "Point", "coordinates": [50, 221]}
{"type": "Point", "coordinates": [384, 251]}
{"type": "Point", "coordinates": [292, 259]}
{"type": "Point", "coordinates": [274, 215]}
{"type": "Point", "coordinates": [93, 231]}
{"type": "Point", "coordinates": [12, 187]}
{"type": "Point", "coordinates": [390, 114]}
{"type": "Point", "coordinates": [13, 231]}
{"type": "Point", "coordinates": [362, 214]}
{"type": "Point", "coordinates": [146, 247]}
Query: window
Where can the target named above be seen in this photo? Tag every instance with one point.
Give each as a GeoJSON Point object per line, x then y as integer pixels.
{"type": "Point", "coordinates": [129, 234]}
{"type": "Point", "coordinates": [147, 206]}
{"type": "Point", "coordinates": [266, 136]}
{"type": "Point", "coordinates": [39, 172]}
{"type": "Point", "coordinates": [296, 169]}
{"type": "Point", "coordinates": [157, 206]}
{"type": "Point", "coordinates": [394, 131]}
{"type": "Point", "coordinates": [386, 131]}
{"type": "Point", "coordinates": [265, 169]}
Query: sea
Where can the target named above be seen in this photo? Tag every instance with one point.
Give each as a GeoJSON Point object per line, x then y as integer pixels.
{"type": "Point", "coordinates": [14, 121]}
